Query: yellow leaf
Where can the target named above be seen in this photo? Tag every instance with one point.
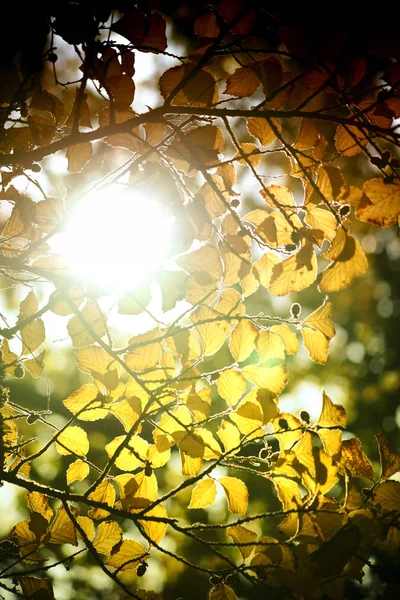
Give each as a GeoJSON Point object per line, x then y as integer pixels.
{"type": "Point", "coordinates": [213, 332]}
{"type": "Point", "coordinates": [127, 411]}
{"type": "Point", "coordinates": [78, 155]}
{"type": "Point", "coordinates": [242, 342]}
{"type": "Point", "coordinates": [349, 261]}
{"type": "Point", "coordinates": [272, 378]}
{"type": "Point", "coordinates": [104, 493]}
{"type": "Point", "coordinates": [28, 542]}
{"type": "Point", "coordinates": [198, 90]}
{"type": "Point", "coordinates": [131, 457]}
{"type": "Point", "coordinates": [248, 418]}
{"type": "Point", "coordinates": [35, 365]}
{"type": "Point", "coordinates": [277, 196]}
{"type": "Point", "coordinates": [62, 530]}
{"type": "Point", "coordinates": [331, 414]}
{"type": "Point", "coordinates": [222, 592]}
{"type": "Point", "coordinates": [322, 220]}
{"type": "Point", "coordinates": [230, 303]}
{"type": "Point", "coordinates": [229, 435]}
{"type": "Point", "coordinates": [264, 267]}
{"type": "Point", "coordinates": [109, 534]}
{"type": "Point", "coordinates": [354, 459]}
{"type": "Point", "coordinates": [349, 140]}
{"type": "Point", "coordinates": [316, 344]}
{"type": "Point", "coordinates": [203, 494]}
{"type": "Point", "coordinates": [261, 129]}
{"type": "Point", "coordinates": [39, 503]}
{"type": "Point", "coordinates": [288, 492]}
{"type": "Point", "coordinates": [94, 360]}
{"type": "Point", "coordinates": [242, 535]}
{"type": "Point", "coordinates": [294, 273]}
{"type": "Point", "coordinates": [206, 260]}
{"type": "Point", "coordinates": [390, 459]}
{"type": "Point", "coordinates": [32, 587]}
{"type": "Point", "coordinates": [32, 336]}
{"type": "Point", "coordinates": [231, 385]}
{"type": "Point", "coordinates": [86, 403]}
{"type": "Point", "coordinates": [73, 440]}
{"type": "Point", "coordinates": [288, 337]}
{"type": "Point", "coordinates": [92, 315]}
{"type": "Point", "coordinates": [387, 496]}
{"type": "Point", "coordinates": [236, 493]}
{"type": "Point", "coordinates": [381, 203]}
{"type": "Point", "coordinates": [147, 354]}
{"type": "Point", "coordinates": [289, 428]}
{"type": "Point", "coordinates": [250, 153]}
{"type": "Point", "coordinates": [77, 471]}
{"type": "Point", "coordinates": [129, 555]}
{"type": "Point", "coordinates": [321, 320]}
{"type": "Point", "coordinates": [269, 346]}
{"type": "Point", "coordinates": [8, 357]}
{"type": "Point", "coordinates": [139, 491]}
{"type": "Point", "coordinates": [87, 526]}
{"type": "Point", "coordinates": [307, 136]}
{"type": "Point", "coordinates": [155, 530]}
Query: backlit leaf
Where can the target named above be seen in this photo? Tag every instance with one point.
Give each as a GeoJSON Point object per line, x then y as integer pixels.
{"type": "Point", "coordinates": [231, 385]}
{"type": "Point", "coordinates": [349, 261]}
{"type": "Point", "coordinates": [128, 556]}
{"type": "Point", "coordinates": [203, 494]}
{"type": "Point", "coordinates": [354, 459]}
{"type": "Point", "coordinates": [294, 273]}
{"type": "Point", "coordinates": [236, 493]}
{"type": "Point", "coordinates": [316, 344]}
{"type": "Point", "coordinates": [390, 459]}
{"type": "Point", "coordinates": [381, 203]}
{"type": "Point", "coordinates": [77, 471]}
{"type": "Point", "coordinates": [109, 534]}
{"type": "Point", "coordinates": [242, 535]}
{"type": "Point", "coordinates": [242, 342]}
{"type": "Point", "coordinates": [73, 440]}
{"type": "Point", "coordinates": [62, 529]}
{"type": "Point", "coordinates": [222, 592]}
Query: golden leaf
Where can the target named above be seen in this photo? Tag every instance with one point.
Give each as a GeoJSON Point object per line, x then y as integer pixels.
{"type": "Point", "coordinates": [229, 435]}
{"type": "Point", "coordinates": [88, 528]}
{"type": "Point", "coordinates": [381, 203]}
{"type": "Point", "coordinates": [322, 220]}
{"type": "Point", "coordinates": [196, 90]}
{"type": "Point", "coordinates": [307, 136]}
{"type": "Point", "coordinates": [92, 315]}
{"type": "Point", "coordinates": [105, 493]}
{"type": "Point", "coordinates": [131, 457]}
{"type": "Point", "coordinates": [294, 273]}
{"type": "Point", "coordinates": [35, 365]}
{"type": "Point", "coordinates": [62, 530]}
{"type": "Point", "coordinates": [147, 354]}
{"type": "Point", "coordinates": [387, 496]}
{"type": "Point", "coordinates": [316, 344]}
{"type": "Point", "coordinates": [350, 140]}
{"type": "Point", "coordinates": [128, 556]}
{"type": "Point", "coordinates": [349, 261]}
{"type": "Point", "coordinates": [242, 83]}
{"type": "Point", "coordinates": [390, 459]}
{"type": "Point", "coordinates": [331, 414]}
{"type": "Point", "coordinates": [270, 346]}
{"type": "Point", "coordinates": [242, 342]}
{"type": "Point", "coordinates": [321, 320]}
{"type": "Point", "coordinates": [39, 503]}
{"type": "Point", "coordinates": [242, 535]}
{"type": "Point", "coordinates": [77, 471]}
{"type": "Point", "coordinates": [236, 494]}
{"type": "Point", "coordinates": [205, 260]}
{"type": "Point", "coordinates": [32, 336]}
{"type": "Point", "coordinates": [262, 130]}
{"type": "Point", "coordinates": [86, 403]}
{"type": "Point", "coordinates": [264, 267]}
{"type": "Point", "coordinates": [272, 378]}
{"type": "Point", "coordinates": [95, 360]}
{"type": "Point", "coordinates": [354, 459]}
{"type": "Point", "coordinates": [288, 337]}
{"type": "Point", "coordinates": [203, 494]}
{"type": "Point", "coordinates": [222, 592]}
{"type": "Point", "coordinates": [248, 418]}
{"type": "Point", "coordinates": [155, 530]}
{"type": "Point", "coordinates": [109, 534]}
{"type": "Point", "coordinates": [277, 196]}
{"type": "Point", "coordinates": [78, 155]}
{"type": "Point", "coordinates": [73, 440]}
{"type": "Point", "coordinates": [249, 153]}
{"type": "Point", "coordinates": [213, 332]}
{"type": "Point", "coordinates": [32, 587]}
{"type": "Point", "coordinates": [231, 386]}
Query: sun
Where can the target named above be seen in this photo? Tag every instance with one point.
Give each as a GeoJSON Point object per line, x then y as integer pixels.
{"type": "Point", "coordinates": [116, 237]}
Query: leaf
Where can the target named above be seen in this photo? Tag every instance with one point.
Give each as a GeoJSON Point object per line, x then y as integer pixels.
{"type": "Point", "coordinates": [262, 130]}
{"type": "Point", "coordinates": [331, 414]}
{"type": "Point", "coordinates": [331, 558]}
{"type": "Point", "coordinates": [242, 83]}
{"type": "Point", "coordinates": [73, 440]}
{"type": "Point", "coordinates": [294, 273]}
{"type": "Point", "coordinates": [86, 403]}
{"type": "Point", "coordinates": [130, 139]}
{"type": "Point", "coordinates": [155, 530]}
{"type": "Point", "coordinates": [236, 494]}
{"type": "Point", "coordinates": [229, 435]}
{"type": "Point", "coordinates": [35, 365]}
{"type": "Point", "coordinates": [104, 493]}
{"type": "Point", "coordinates": [87, 526]}
{"type": "Point", "coordinates": [242, 535]}
{"type": "Point", "coordinates": [39, 503]}
{"type": "Point", "coordinates": [321, 320]}
{"type": "Point", "coordinates": [37, 589]}
{"type": "Point", "coordinates": [131, 457]}
{"type": "Point", "coordinates": [242, 342]}
{"type": "Point", "coordinates": [288, 337]}
{"type": "Point", "coordinates": [109, 534]}
{"type": "Point", "coordinates": [78, 155]}
{"type": "Point", "coordinates": [387, 496]}
{"type": "Point", "coordinates": [145, 32]}
{"type": "Point", "coordinates": [231, 386]}
{"type": "Point", "coordinates": [147, 353]}
{"type": "Point", "coordinates": [222, 592]}
{"type": "Point", "coordinates": [196, 90]}
{"type": "Point", "coordinates": [270, 346]}
{"type": "Point", "coordinates": [349, 261]}
{"type": "Point", "coordinates": [214, 330]}
{"type": "Point", "coordinates": [355, 460]}
{"type": "Point", "coordinates": [32, 335]}
{"type": "Point", "coordinates": [272, 378]}
{"type": "Point", "coordinates": [350, 140]}
{"type": "Point", "coordinates": [77, 471]}
{"type": "Point", "coordinates": [77, 327]}
{"type": "Point", "coordinates": [205, 260]}
{"type": "Point", "coordinates": [316, 344]}
{"type": "Point", "coordinates": [390, 459]}
{"type": "Point", "coordinates": [128, 556]}
{"type": "Point", "coordinates": [62, 530]}
{"type": "Point", "coordinates": [381, 203]}
{"type": "Point", "coordinates": [203, 494]}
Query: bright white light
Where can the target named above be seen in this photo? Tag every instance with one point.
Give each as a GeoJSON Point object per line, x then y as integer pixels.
{"type": "Point", "coordinates": [115, 237]}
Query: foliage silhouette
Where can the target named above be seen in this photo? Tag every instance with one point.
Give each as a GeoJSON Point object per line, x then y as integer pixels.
{"type": "Point", "coordinates": [270, 146]}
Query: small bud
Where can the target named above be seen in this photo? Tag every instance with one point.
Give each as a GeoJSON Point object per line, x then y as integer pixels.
{"type": "Point", "coordinates": [264, 453]}
{"type": "Point", "coordinates": [290, 247]}
{"type": "Point", "coordinates": [283, 424]}
{"type": "Point", "coordinates": [235, 203]}
{"type": "Point", "coordinates": [295, 310]}
{"type": "Point", "coordinates": [344, 210]}
{"type": "Point", "coordinates": [52, 57]}
{"type": "Point", "coordinates": [36, 168]}
{"type": "Point", "coordinates": [32, 419]}
{"type": "Point", "coordinates": [231, 579]}
{"type": "Point", "coordinates": [141, 570]}
{"type": "Point", "coordinates": [148, 471]}
{"type": "Point", "coordinates": [295, 235]}
{"type": "Point", "coordinates": [304, 416]}
{"type": "Point", "coordinates": [19, 372]}
{"type": "Point", "coordinates": [215, 579]}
